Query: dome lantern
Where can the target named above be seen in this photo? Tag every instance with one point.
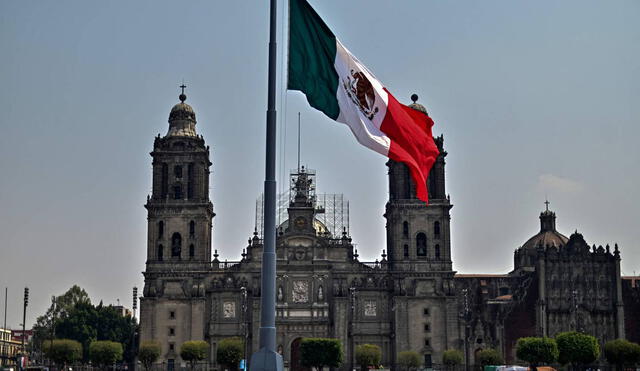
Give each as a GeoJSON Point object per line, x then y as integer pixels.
{"type": "Point", "coordinates": [182, 119]}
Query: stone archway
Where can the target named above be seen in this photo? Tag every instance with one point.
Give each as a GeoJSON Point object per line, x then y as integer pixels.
{"type": "Point", "coordinates": [295, 364]}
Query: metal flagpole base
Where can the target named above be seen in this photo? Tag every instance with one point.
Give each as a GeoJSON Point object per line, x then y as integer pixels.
{"type": "Point", "coordinates": [266, 360]}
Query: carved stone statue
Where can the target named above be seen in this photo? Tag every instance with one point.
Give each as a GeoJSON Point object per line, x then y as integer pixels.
{"type": "Point", "coordinates": [300, 291]}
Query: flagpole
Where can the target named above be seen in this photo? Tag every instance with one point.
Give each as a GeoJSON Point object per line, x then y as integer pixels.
{"type": "Point", "coordinates": [266, 359]}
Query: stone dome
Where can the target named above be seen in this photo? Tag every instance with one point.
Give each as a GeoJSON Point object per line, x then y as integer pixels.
{"type": "Point", "coordinates": [182, 119]}
{"type": "Point", "coordinates": [182, 111]}
{"type": "Point", "coordinates": [417, 106]}
{"type": "Point", "coordinates": [548, 234]}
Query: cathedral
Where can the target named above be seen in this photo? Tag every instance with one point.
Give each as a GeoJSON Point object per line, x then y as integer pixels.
{"type": "Point", "coordinates": [410, 299]}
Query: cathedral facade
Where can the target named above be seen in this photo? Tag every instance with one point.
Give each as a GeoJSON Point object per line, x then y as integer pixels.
{"type": "Point", "coordinates": [411, 299]}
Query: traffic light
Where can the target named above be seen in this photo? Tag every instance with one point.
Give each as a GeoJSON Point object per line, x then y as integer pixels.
{"type": "Point", "coordinates": [26, 296]}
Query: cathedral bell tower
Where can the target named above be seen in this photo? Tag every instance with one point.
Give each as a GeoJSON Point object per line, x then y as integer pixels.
{"type": "Point", "coordinates": [418, 236]}
{"type": "Point", "coordinates": [179, 209]}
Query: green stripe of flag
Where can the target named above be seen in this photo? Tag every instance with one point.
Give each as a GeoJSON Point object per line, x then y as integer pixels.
{"type": "Point", "coordinates": [312, 52]}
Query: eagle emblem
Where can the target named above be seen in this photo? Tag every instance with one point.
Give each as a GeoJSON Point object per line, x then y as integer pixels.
{"type": "Point", "coordinates": [360, 90]}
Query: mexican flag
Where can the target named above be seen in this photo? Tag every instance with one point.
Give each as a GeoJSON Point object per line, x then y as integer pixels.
{"type": "Point", "coordinates": [338, 84]}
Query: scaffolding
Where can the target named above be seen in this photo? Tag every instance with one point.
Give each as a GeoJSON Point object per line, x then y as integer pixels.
{"type": "Point", "coordinates": [331, 209]}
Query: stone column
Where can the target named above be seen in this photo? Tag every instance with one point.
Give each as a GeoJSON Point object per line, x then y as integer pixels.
{"type": "Point", "coordinates": [619, 303]}
{"type": "Point", "coordinates": [542, 294]}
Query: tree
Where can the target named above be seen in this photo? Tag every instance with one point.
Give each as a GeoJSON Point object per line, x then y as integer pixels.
{"type": "Point", "coordinates": [409, 360]}
{"type": "Point", "coordinates": [148, 353]}
{"type": "Point", "coordinates": [110, 324]}
{"type": "Point", "coordinates": [195, 350]}
{"type": "Point", "coordinates": [63, 351]}
{"type": "Point", "coordinates": [320, 352]}
{"type": "Point", "coordinates": [368, 355]}
{"type": "Point", "coordinates": [86, 323]}
{"type": "Point", "coordinates": [78, 324]}
{"type": "Point", "coordinates": [230, 352]}
{"type": "Point", "coordinates": [537, 351]}
{"type": "Point", "coordinates": [452, 357]}
{"type": "Point", "coordinates": [621, 352]}
{"type": "Point", "coordinates": [489, 357]}
{"type": "Point", "coordinates": [105, 353]}
{"type": "Point", "coordinates": [43, 329]}
{"type": "Point", "coordinates": [577, 348]}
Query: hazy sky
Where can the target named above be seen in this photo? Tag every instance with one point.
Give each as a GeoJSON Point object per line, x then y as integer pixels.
{"type": "Point", "coordinates": [535, 99]}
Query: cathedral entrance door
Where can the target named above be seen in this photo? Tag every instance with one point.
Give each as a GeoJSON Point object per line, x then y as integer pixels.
{"type": "Point", "coordinates": [295, 364]}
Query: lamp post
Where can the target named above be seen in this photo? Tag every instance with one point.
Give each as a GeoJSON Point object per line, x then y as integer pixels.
{"type": "Point", "coordinates": [24, 317]}
{"type": "Point", "coordinates": [135, 300]}
{"type": "Point", "coordinates": [352, 300]}
{"type": "Point", "coordinates": [574, 299]}
{"type": "Point", "coordinates": [465, 293]}
{"type": "Point", "coordinates": [53, 326]}
{"type": "Point", "coordinates": [245, 332]}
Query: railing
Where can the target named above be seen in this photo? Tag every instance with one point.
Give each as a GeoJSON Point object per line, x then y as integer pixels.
{"type": "Point", "coordinates": [375, 265]}
{"type": "Point", "coordinates": [225, 265]}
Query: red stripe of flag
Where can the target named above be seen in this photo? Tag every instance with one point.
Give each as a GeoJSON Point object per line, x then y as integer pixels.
{"type": "Point", "coordinates": [411, 142]}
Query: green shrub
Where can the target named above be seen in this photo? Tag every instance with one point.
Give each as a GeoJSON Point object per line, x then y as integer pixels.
{"type": "Point", "coordinates": [320, 352]}
{"type": "Point", "coordinates": [489, 357]}
{"type": "Point", "coordinates": [148, 353]}
{"type": "Point", "coordinates": [537, 351]}
{"type": "Point", "coordinates": [368, 355]}
{"type": "Point", "coordinates": [193, 351]}
{"type": "Point", "coordinates": [230, 352]}
{"type": "Point", "coordinates": [63, 351]}
{"type": "Point", "coordinates": [452, 357]}
{"type": "Point", "coordinates": [409, 360]}
{"type": "Point", "coordinates": [577, 348]}
{"type": "Point", "coordinates": [622, 353]}
{"type": "Point", "coordinates": [105, 353]}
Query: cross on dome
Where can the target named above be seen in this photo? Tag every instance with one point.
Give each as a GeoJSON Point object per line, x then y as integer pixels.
{"type": "Point", "coordinates": [182, 97]}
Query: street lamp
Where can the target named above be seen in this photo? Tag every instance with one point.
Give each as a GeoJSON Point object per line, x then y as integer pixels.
{"type": "Point", "coordinates": [352, 299]}
{"type": "Point", "coordinates": [53, 326]}
{"type": "Point", "coordinates": [24, 317]}
{"type": "Point", "coordinates": [135, 300]}
{"type": "Point", "coordinates": [465, 293]}
{"type": "Point", "coordinates": [574, 298]}
{"type": "Point", "coordinates": [243, 292]}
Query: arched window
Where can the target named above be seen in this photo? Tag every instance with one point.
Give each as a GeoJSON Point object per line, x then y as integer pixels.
{"type": "Point", "coordinates": [436, 229]}
{"type": "Point", "coordinates": [437, 249]}
{"type": "Point", "coordinates": [192, 228]}
{"type": "Point", "coordinates": [421, 244]}
{"type": "Point", "coordinates": [192, 251]}
{"type": "Point", "coordinates": [176, 245]}
{"type": "Point", "coordinates": [406, 251]}
{"type": "Point", "coordinates": [405, 229]}
{"type": "Point", "coordinates": [160, 229]}
{"type": "Point", "coordinates": [160, 252]}
{"type": "Point", "coordinates": [177, 192]}
{"type": "Point", "coordinates": [408, 182]}
{"type": "Point", "coordinates": [190, 180]}
{"type": "Point", "coordinates": [164, 181]}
